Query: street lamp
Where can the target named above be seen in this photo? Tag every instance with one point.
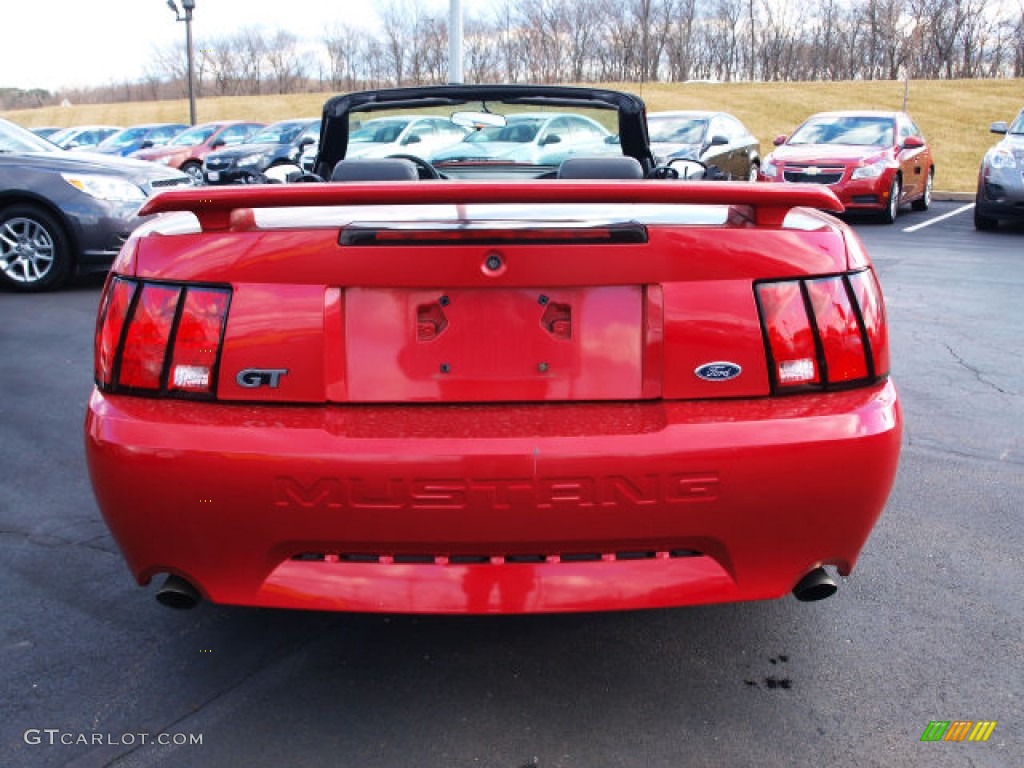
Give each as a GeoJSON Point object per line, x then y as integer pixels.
{"type": "Point", "coordinates": [188, 6]}
{"type": "Point", "coordinates": [455, 41]}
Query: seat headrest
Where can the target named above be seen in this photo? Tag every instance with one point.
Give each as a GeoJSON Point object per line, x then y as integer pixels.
{"type": "Point", "coordinates": [375, 169]}
{"type": "Point", "coordinates": [600, 168]}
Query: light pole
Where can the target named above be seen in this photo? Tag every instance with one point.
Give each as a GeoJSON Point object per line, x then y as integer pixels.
{"type": "Point", "coordinates": [455, 41]}
{"type": "Point", "coordinates": [188, 6]}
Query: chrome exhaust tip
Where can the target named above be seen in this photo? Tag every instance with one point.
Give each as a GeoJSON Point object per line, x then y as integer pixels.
{"type": "Point", "coordinates": [815, 585]}
{"type": "Point", "coordinates": [178, 593]}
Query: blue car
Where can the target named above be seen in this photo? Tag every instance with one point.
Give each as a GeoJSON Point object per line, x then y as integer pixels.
{"type": "Point", "coordinates": [138, 137]}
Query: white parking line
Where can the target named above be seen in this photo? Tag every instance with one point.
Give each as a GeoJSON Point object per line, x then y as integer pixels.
{"type": "Point", "coordinates": [937, 219]}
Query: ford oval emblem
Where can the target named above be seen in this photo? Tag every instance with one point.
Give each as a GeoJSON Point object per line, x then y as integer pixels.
{"type": "Point", "coordinates": [720, 371]}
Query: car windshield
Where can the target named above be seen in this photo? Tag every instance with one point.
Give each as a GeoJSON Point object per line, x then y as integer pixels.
{"type": "Point", "coordinates": [1018, 125]}
{"type": "Point", "coordinates": [523, 137]}
{"type": "Point", "coordinates": [519, 131]}
{"type": "Point", "coordinates": [855, 131]}
{"type": "Point", "coordinates": [14, 138]}
{"type": "Point", "coordinates": [676, 130]}
{"type": "Point", "coordinates": [125, 137]}
{"type": "Point", "coordinates": [378, 131]}
{"type": "Point", "coordinates": [279, 133]}
{"type": "Point", "coordinates": [193, 136]}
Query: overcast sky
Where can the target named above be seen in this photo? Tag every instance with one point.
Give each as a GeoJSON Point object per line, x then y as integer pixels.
{"type": "Point", "coordinates": [54, 43]}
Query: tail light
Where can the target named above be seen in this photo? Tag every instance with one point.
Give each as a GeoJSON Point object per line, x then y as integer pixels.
{"type": "Point", "coordinates": [160, 338]}
{"type": "Point", "coordinates": [824, 332]}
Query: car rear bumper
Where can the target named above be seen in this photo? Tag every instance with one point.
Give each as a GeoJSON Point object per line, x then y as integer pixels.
{"type": "Point", "coordinates": [493, 508]}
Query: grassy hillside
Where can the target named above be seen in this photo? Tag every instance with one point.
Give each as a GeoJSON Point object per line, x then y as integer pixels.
{"type": "Point", "coordinates": [954, 114]}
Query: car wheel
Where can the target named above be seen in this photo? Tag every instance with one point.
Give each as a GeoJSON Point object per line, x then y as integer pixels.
{"type": "Point", "coordinates": [893, 208]}
{"type": "Point", "coordinates": [755, 169]}
{"type": "Point", "coordinates": [34, 251]}
{"type": "Point", "coordinates": [194, 170]}
{"type": "Point", "coordinates": [925, 200]}
{"type": "Point", "coordinates": [982, 222]}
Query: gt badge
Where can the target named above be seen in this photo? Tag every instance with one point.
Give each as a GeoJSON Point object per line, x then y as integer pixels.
{"type": "Point", "coordinates": [720, 371]}
{"type": "Point", "coordinates": [251, 378]}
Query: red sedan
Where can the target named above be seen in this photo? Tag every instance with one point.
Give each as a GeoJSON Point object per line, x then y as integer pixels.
{"type": "Point", "coordinates": [498, 395]}
{"type": "Point", "coordinates": [188, 149]}
{"type": "Point", "coordinates": [873, 161]}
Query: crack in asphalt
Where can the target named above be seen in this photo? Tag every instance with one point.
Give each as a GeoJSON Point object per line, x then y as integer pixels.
{"type": "Point", "coordinates": [49, 540]}
{"type": "Point", "coordinates": [129, 757]}
{"type": "Point", "coordinates": [978, 375]}
{"type": "Point", "coordinates": [924, 444]}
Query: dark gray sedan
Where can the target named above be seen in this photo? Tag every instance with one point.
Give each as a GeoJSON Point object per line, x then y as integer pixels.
{"type": "Point", "coordinates": [1001, 178]}
{"type": "Point", "coordinates": [717, 139]}
{"type": "Point", "coordinates": [62, 212]}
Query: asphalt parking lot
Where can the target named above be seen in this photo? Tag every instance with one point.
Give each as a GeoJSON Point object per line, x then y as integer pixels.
{"type": "Point", "coordinates": [928, 628]}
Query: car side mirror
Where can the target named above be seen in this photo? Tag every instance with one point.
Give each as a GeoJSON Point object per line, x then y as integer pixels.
{"type": "Point", "coordinates": [147, 144]}
{"type": "Point", "coordinates": [218, 143]}
{"type": "Point", "coordinates": [718, 140]}
{"type": "Point", "coordinates": [553, 138]}
{"type": "Point", "coordinates": [913, 142]}
{"type": "Point", "coordinates": [306, 141]}
{"type": "Point", "coordinates": [780, 140]}
{"type": "Point", "coordinates": [413, 138]}
{"type": "Point", "coordinates": [999, 127]}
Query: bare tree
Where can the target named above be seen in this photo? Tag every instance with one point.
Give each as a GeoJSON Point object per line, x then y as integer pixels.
{"type": "Point", "coordinates": [285, 65]}
{"type": "Point", "coordinates": [345, 52]}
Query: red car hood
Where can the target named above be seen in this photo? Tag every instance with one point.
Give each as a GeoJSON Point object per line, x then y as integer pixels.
{"type": "Point", "coordinates": [156, 153]}
{"type": "Point", "coordinates": [827, 153]}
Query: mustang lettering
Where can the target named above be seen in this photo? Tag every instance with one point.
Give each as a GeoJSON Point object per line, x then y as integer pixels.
{"type": "Point", "coordinates": [496, 494]}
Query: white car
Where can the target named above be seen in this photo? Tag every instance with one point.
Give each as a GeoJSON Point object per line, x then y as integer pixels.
{"type": "Point", "coordinates": [538, 138]}
{"type": "Point", "coordinates": [421, 136]}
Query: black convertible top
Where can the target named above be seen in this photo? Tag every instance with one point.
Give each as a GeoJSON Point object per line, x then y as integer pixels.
{"type": "Point", "coordinates": [631, 111]}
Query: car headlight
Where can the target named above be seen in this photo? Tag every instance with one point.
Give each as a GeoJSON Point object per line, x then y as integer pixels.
{"type": "Point", "coordinates": [106, 188]}
{"type": "Point", "coordinates": [768, 167]}
{"type": "Point", "coordinates": [1001, 158]}
{"type": "Point", "coordinates": [247, 160]}
{"type": "Point", "coordinates": [870, 171]}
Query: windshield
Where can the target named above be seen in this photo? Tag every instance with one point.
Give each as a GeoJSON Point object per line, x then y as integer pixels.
{"type": "Point", "coordinates": [126, 137]}
{"type": "Point", "coordinates": [379, 131]}
{"type": "Point", "coordinates": [14, 138]}
{"type": "Point", "coordinates": [676, 130]}
{"type": "Point", "coordinates": [518, 131]}
{"type": "Point", "coordinates": [1018, 125]}
{"type": "Point", "coordinates": [278, 133]}
{"type": "Point", "coordinates": [193, 136]}
{"type": "Point", "coordinates": [486, 139]}
{"type": "Point", "coordinates": [854, 131]}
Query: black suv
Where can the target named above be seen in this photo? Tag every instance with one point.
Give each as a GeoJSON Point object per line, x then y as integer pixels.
{"type": "Point", "coordinates": [278, 144]}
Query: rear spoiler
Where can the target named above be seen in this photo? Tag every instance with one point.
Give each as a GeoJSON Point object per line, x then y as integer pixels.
{"type": "Point", "coordinates": [770, 202]}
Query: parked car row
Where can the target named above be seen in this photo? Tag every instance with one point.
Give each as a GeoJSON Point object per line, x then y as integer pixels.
{"type": "Point", "coordinates": [875, 162]}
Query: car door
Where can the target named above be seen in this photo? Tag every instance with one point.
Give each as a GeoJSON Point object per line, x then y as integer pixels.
{"type": "Point", "coordinates": [914, 158]}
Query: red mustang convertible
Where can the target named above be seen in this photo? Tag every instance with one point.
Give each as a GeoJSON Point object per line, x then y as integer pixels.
{"type": "Point", "coordinates": [482, 385]}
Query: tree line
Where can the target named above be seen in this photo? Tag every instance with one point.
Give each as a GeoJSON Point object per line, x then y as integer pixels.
{"type": "Point", "coordinates": [581, 41]}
